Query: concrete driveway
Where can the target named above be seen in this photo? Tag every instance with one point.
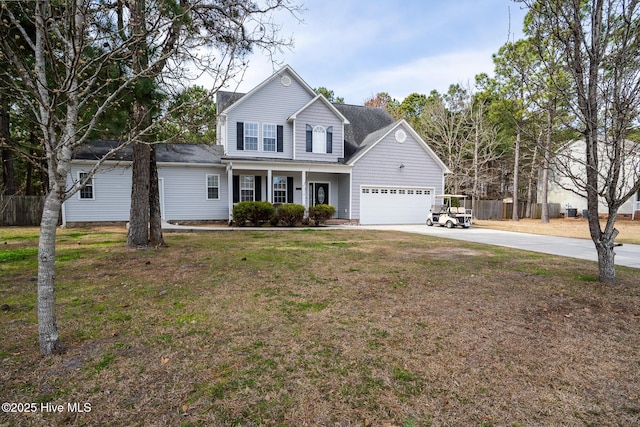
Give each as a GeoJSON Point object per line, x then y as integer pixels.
{"type": "Point", "coordinates": [627, 255]}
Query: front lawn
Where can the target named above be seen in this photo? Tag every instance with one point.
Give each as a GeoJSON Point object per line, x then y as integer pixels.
{"type": "Point", "coordinates": [318, 328]}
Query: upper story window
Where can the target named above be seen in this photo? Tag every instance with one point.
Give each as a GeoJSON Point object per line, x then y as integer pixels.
{"type": "Point", "coordinates": [86, 193]}
{"type": "Point", "coordinates": [248, 134]}
{"type": "Point", "coordinates": [269, 137]}
{"type": "Point", "coordinates": [213, 187]}
{"type": "Point", "coordinates": [251, 136]}
{"type": "Point", "coordinates": [319, 139]}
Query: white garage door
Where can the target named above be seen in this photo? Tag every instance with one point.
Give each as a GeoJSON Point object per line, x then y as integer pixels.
{"type": "Point", "coordinates": [394, 205]}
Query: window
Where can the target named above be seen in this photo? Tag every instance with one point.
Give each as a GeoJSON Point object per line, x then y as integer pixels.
{"type": "Point", "coordinates": [251, 136]}
{"type": "Point", "coordinates": [86, 193]}
{"type": "Point", "coordinates": [247, 188]}
{"type": "Point", "coordinates": [319, 139]}
{"type": "Point", "coordinates": [269, 137]}
{"type": "Point", "coordinates": [280, 189]}
{"type": "Point", "coordinates": [213, 187]}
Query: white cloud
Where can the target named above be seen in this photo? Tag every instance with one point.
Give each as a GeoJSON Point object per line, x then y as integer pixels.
{"type": "Point", "coordinates": [421, 76]}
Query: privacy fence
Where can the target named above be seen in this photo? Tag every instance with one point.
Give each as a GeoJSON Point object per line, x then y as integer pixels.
{"type": "Point", "coordinates": [21, 210]}
{"type": "Point", "coordinates": [497, 209]}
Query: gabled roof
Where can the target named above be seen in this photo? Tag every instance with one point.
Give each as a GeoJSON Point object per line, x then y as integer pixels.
{"type": "Point", "coordinates": [374, 138]}
{"type": "Point", "coordinates": [329, 105]}
{"type": "Point", "coordinates": [165, 153]}
{"type": "Point", "coordinates": [231, 102]}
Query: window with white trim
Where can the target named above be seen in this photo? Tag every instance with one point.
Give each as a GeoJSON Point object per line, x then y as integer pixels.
{"type": "Point", "coordinates": [86, 193]}
{"type": "Point", "coordinates": [319, 140]}
{"type": "Point", "coordinates": [213, 187]}
{"type": "Point", "coordinates": [251, 136]}
{"type": "Point", "coordinates": [247, 188]}
{"type": "Point", "coordinates": [268, 137]}
{"type": "Point", "coordinates": [280, 189]}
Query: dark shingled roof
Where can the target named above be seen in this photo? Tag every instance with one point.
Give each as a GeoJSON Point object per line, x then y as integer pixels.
{"type": "Point", "coordinates": [165, 153]}
{"type": "Point", "coordinates": [225, 99]}
{"type": "Point", "coordinates": [363, 121]}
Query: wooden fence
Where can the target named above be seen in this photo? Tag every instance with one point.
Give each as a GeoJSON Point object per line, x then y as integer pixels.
{"type": "Point", "coordinates": [21, 210]}
{"type": "Point", "coordinates": [497, 209]}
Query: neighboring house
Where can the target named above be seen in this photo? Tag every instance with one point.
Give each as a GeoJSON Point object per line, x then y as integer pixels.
{"type": "Point", "coordinates": [283, 143]}
{"type": "Point", "coordinates": [568, 174]}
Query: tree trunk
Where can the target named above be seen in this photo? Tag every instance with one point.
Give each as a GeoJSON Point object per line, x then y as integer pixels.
{"type": "Point", "coordinates": [516, 160]}
{"type": "Point", "coordinates": [546, 152]}
{"type": "Point", "coordinates": [155, 223]}
{"type": "Point", "coordinates": [8, 176]}
{"type": "Point", "coordinates": [139, 214]}
{"type": "Point", "coordinates": [532, 175]}
{"type": "Point", "coordinates": [47, 327]}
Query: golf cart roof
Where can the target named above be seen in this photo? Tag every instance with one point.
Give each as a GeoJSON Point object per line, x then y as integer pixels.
{"type": "Point", "coordinates": [446, 196]}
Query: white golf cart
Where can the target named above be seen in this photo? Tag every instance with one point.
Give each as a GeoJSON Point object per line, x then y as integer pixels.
{"type": "Point", "coordinates": [447, 215]}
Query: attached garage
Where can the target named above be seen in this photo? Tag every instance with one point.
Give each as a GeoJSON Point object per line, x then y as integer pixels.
{"type": "Point", "coordinates": [395, 205]}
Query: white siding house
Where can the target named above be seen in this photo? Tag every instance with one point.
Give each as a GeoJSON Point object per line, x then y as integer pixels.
{"type": "Point", "coordinates": [568, 176]}
{"type": "Point", "coordinates": [283, 143]}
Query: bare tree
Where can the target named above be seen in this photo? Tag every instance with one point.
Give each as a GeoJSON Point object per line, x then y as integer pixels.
{"type": "Point", "coordinates": [70, 64]}
{"type": "Point", "coordinates": [222, 32]}
{"type": "Point", "coordinates": [600, 43]}
{"type": "Point", "coordinates": [456, 126]}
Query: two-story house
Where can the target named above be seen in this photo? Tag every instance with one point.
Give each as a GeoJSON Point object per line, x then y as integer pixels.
{"type": "Point", "coordinates": [283, 143]}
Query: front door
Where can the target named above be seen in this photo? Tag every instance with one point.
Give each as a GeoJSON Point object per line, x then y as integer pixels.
{"type": "Point", "coordinates": [319, 193]}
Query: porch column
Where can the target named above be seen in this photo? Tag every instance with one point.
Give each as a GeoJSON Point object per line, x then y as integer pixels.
{"type": "Point", "coordinates": [269, 185]}
{"type": "Point", "coordinates": [304, 193]}
{"type": "Point", "coordinates": [230, 190]}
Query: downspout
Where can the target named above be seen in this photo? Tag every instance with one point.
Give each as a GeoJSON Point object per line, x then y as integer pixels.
{"type": "Point", "coordinates": [230, 190]}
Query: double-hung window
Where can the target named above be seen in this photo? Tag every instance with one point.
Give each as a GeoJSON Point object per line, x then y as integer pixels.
{"type": "Point", "coordinates": [86, 193]}
{"type": "Point", "coordinates": [247, 188]}
{"type": "Point", "coordinates": [213, 187]}
{"type": "Point", "coordinates": [280, 189]}
{"type": "Point", "coordinates": [269, 137]}
{"type": "Point", "coordinates": [251, 136]}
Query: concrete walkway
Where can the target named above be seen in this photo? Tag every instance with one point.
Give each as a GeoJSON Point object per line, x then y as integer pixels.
{"type": "Point", "coordinates": [626, 255]}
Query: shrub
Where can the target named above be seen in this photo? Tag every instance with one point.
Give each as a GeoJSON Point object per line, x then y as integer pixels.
{"type": "Point", "coordinates": [290, 214]}
{"type": "Point", "coordinates": [321, 213]}
{"type": "Point", "coordinates": [254, 212]}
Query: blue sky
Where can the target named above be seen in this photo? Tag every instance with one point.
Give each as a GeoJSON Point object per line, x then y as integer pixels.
{"type": "Point", "coordinates": [358, 48]}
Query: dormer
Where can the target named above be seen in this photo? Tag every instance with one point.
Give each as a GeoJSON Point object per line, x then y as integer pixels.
{"type": "Point", "coordinates": [318, 131]}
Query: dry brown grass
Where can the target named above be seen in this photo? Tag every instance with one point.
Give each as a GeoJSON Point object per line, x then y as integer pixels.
{"type": "Point", "coordinates": [321, 328]}
{"type": "Point", "coordinates": [565, 227]}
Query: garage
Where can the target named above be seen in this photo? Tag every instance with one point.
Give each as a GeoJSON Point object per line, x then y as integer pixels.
{"type": "Point", "coordinates": [394, 205]}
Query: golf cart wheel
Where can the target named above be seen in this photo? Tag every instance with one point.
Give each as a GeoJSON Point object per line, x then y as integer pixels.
{"type": "Point", "coordinates": [429, 222]}
{"type": "Point", "coordinates": [449, 224]}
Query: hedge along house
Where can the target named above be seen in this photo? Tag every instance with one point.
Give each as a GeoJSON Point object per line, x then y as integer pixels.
{"type": "Point", "coordinates": [283, 143]}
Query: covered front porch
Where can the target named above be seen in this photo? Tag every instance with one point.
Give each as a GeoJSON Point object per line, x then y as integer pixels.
{"type": "Point", "coordinates": [306, 184]}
